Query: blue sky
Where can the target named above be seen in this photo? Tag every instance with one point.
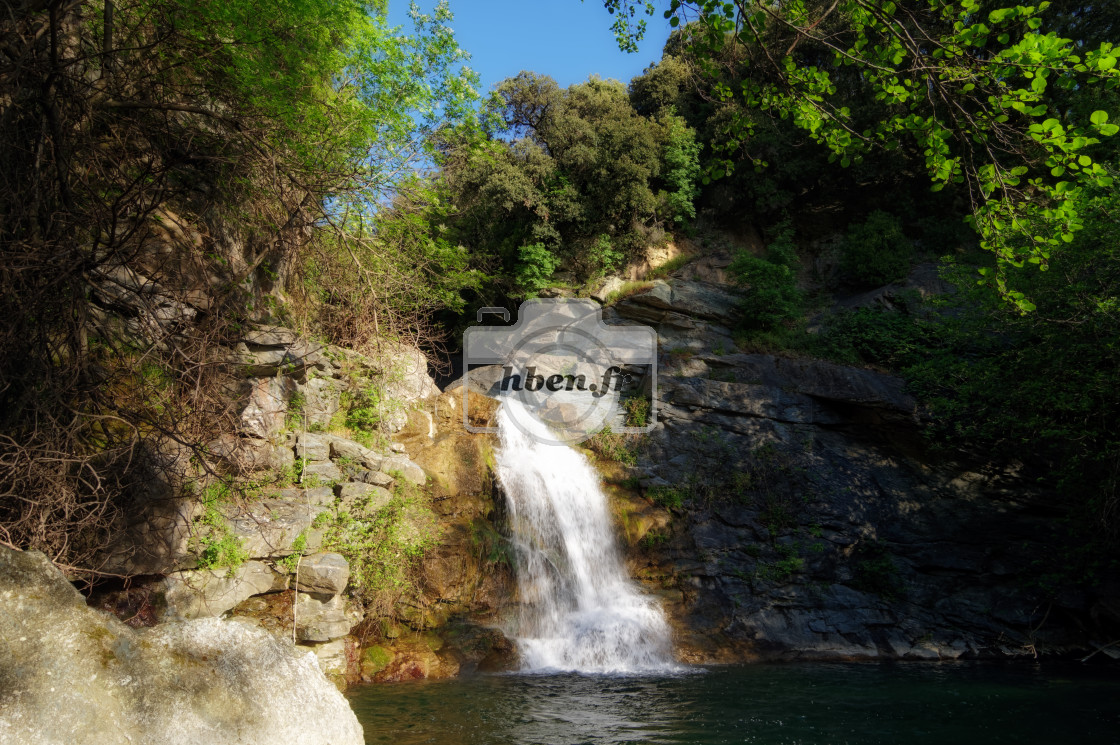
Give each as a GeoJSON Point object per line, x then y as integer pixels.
{"type": "Point", "coordinates": [567, 39]}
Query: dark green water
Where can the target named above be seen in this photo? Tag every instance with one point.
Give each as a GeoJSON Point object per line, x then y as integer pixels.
{"type": "Point", "coordinates": [838, 704]}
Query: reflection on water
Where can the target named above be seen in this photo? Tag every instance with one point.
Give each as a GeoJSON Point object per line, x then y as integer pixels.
{"type": "Point", "coordinates": [579, 709]}
{"type": "Point", "coordinates": [835, 704]}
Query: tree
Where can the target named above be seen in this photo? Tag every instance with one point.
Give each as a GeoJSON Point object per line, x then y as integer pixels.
{"type": "Point", "coordinates": [190, 149]}
{"type": "Point", "coordinates": [576, 172]}
{"type": "Point", "coordinates": [981, 91]}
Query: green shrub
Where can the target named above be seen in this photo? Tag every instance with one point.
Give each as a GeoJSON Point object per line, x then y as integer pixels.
{"type": "Point", "coordinates": [671, 497]}
{"type": "Point", "coordinates": [772, 298]}
{"type": "Point", "coordinates": [214, 543]}
{"type": "Point", "coordinates": [876, 572]}
{"type": "Point", "coordinates": [870, 336]}
{"type": "Point", "coordinates": [682, 170]}
{"type": "Point", "coordinates": [603, 257]}
{"type": "Point", "coordinates": [612, 446]}
{"type": "Point", "coordinates": [637, 411]}
{"type": "Point", "coordinates": [875, 251]}
{"type": "Point", "coordinates": [383, 545]}
{"type": "Point", "coordinates": [535, 266]}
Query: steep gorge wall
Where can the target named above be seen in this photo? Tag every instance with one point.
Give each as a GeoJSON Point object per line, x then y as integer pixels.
{"type": "Point", "coordinates": [809, 521]}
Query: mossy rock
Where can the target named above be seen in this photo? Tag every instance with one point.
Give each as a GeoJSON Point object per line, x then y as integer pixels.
{"type": "Point", "coordinates": [375, 659]}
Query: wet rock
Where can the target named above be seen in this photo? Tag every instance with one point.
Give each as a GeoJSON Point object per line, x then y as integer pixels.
{"type": "Point", "coordinates": [337, 659]}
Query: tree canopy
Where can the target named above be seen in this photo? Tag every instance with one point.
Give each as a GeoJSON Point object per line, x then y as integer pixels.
{"type": "Point", "coordinates": [1004, 103]}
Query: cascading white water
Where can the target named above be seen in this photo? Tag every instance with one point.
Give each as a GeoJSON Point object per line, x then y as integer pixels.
{"type": "Point", "coordinates": [580, 610]}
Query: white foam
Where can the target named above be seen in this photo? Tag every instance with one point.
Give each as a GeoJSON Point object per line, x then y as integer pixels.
{"type": "Point", "coordinates": [580, 610]}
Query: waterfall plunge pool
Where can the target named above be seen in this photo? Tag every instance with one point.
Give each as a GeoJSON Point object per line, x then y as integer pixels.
{"type": "Point", "coordinates": [768, 704]}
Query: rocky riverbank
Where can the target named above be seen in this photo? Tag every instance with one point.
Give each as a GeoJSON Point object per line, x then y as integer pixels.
{"type": "Point", "coordinates": [75, 675]}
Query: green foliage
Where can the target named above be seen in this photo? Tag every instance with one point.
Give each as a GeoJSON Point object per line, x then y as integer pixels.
{"type": "Point", "coordinates": [626, 290]}
{"type": "Point", "coordinates": [293, 418]}
{"type": "Point", "coordinates": [613, 446]}
{"type": "Point", "coordinates": [875, 251]}
{"type": "Point", "coordinates": [876, 572]}
{"type": "Point", "coordinates": [1023, 156]}
{"type": "Point", "coordinates": [871, 336]}
{"type": "Point", "coordinates": [682, 170]}
{"type": "Point", "coordinates": [214, 543]}
{"type": "Point", "coordinates": [671, 497]}
{"type": "Point", "coordinates": [780, 570]}
{"type": "Point", "coordinates": [375, 659]}
{"type": "Point", "coordinates": [603, 257]}
{"type": "Point", "coordinates": [576, 172]}
{"type": "Point", "coordinates": [384, 272]}
{"type": "Point", "coordinates": [773, 298]}
{"type": "Point", "coordinates": [536, 265]}
{"type": "Point", "coordinates": [291, 561]}
{"type": "Point", "coordinates": [383, 545]}
{"type": "Point", "coordinates": [637, 410]}
{"type": "Point", "coordinates": [493, 547]}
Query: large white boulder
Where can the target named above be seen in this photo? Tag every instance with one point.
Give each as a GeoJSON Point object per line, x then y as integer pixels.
{"type": "Point", "coordinates": [72, 675]}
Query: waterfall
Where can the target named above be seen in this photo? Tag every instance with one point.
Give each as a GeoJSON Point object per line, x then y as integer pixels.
{"type": "Point", "coordinates": [580, 610]}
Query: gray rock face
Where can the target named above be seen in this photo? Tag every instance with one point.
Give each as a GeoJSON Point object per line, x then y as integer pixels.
{"type": "Point", "coordinates": [208, 593]}
{"type": "Point", "coordinates": [323, 471]}
{"type": "Point", "coordinates": [267, 405]}
{"type": "Point", "coordinates": [376, 478]}
{"type": "Point", "coordinates": [332, 656]}
{"type": "Point", "coordinates": [377, 496]}
{"type": "Point", "coordinates": [363, 456]}
{"type": "Point", "coordinates": [821, 380]}
{"type": "Point", "coordinates": [312, 447]}
{"type": "Point", "coordinates": [405, 467]}
{"type": "Point", "coordinates": [72, 675]}
{"type": "Point", "coordinates": [266, 529]}
{"type": "Point", "coordinates": [609, 286]}
{"type": "Point", "coordinates": [693, 299]}
{"type": "Point", "coordinates": [156, 536]}
{"type": "Point", "coordinates": [320, 401]}
{"type": "Point", "coordinates": [809, 525]}
{"type": "Point", "coordinates": [321, 620]}
{"type": "Point", "coordinates": [325, 574]}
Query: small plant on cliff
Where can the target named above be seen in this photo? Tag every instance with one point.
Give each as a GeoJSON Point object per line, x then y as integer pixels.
{"type": "Point", "coordinates": [772, 297]}
{"type": "Point", "coordinates": [383, 544]}
{"type": "Point", "coordinates": [671, 497]}
{"type": "Point", "coordinates": [613, 446]}
{"type": "Point", "coordinates": [874, 571]}
{"type": "Point", "coordinates": [290, 562]}
{"type": "Point", "coordinates": [213, 541]}
{"type": "Point", "coordinates": [875, 251]}
{"type": "Point", "coordinates": [637, 411]}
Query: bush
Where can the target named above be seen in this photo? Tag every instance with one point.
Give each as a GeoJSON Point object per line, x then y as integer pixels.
{"type": "Point", "coordinates": [773, 298]}
{"type": "Point", "coordinates": [875, 251]}
{"type": "Point", "coordinates": [383, 544]}
{"type": "Point", "coordinates": [535, 267]}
